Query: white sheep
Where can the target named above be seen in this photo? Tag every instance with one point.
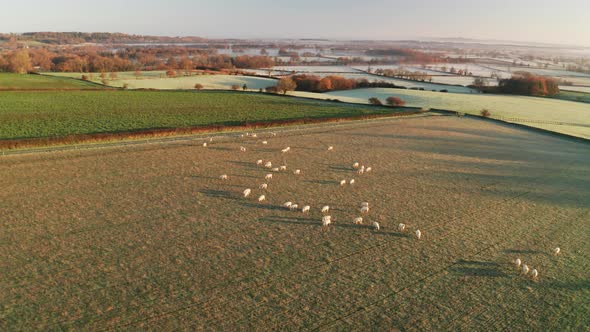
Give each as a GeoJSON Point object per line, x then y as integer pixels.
{"type": "Point", "coordinates": [243, 149]}
{"type": "Point", "coordinates": [365, 204]}
{"type": "Point", "coordinates": [351, 181]}
{"type": "Point", "coordinates": [326, 220]}
{"type": "Point", "coordinates": [343, 182]}
{"type": "Point", "coordinates": [293, 207]}
{"type": "Point", "coordinates": [525, 269]}
{"type": "Point", "coordinates": [306, 209]}
{"type": "Point", "coordinates": [368, 169]}
{"type": "Point", "coordinates": [283, 168]}
{"type": "Point", "coordinates": [361, 171]}
{"type": "Point", "coordinates": [254, 135]}
{"type": "Point", "coordinates": [247, 192]}
{"type": "Point", "coordinates": [268, 164]}
{"type": "Point", "coordinates": [287, 204]}
{"type": "Point", "coordinates": [355, 165]}
{"type": "Point", "coordinates": [534, 273]}
{"type": "Point", "coordinates": [261, 198]}
{"type": "Point", "coordinates": [330, 148]}
{"type": "Point", "coordinates": [556, 251]}
{"type": "Point", "coordinates": [275, 169]}
{"type": "Point", "coordinates": [285, 150]}
{"type": "Point", "coordinates": [273, 134]}
{"type": "Point", "coordinates": [259, 162]}
{"type": "Point", "coordinates": [376, 225]}
{"type": "Point", "coordinates": [401, 227]}
{"type": "Point", "coordinates": [210, 139]}
{"type": "Point", "coordinates": [358, 221]}
{"type": "Point", "coordinates": [325, 209]}
{"type": "Point", "coordinates": [268, 176]}
{"type": "Point", "coordinates": [264, 142]}
{"type": "Point", "coordinates": [297, 172]}
{"type": "Point", "coordinates": [418, 234]}
{"type": "Point", "coordinates": [224, 177]}
{"type": "Point", "coordinates": [263, 186]}
{"type": "Point", "coordinates": [205, 144]}
{"type": "Point", "coordinates": [517, 262]}
{"type": "Point", "coordinates": [365, 209]}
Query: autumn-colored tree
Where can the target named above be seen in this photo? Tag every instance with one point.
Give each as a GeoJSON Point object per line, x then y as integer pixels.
{"type": "Point", "coordinates": [19, 62]}
{"type": "Point", "coordinates": [199, 86]}
{"type": "Point", "coordinates": [375, 101]}
{"type": "Point", "coordinates": [395, 101]}
{"type": "Point", "coordinates": [286, 84]}
{"type": "Point", "coordinates": [171, 73]}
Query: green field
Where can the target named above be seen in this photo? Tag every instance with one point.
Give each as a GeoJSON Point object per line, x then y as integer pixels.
{"type": "Point", "coordinates": [50, 114]}
{"type": "Point", "coordinates": [148, 237]}
{"type": "Point", "coordinates": [534, 109]}
{"type": "Point", "coordinates": [583, 97]}
{"type": "Point", "coordinates": [9, 81]}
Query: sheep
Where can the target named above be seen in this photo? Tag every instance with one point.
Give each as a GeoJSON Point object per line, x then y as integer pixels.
{"type": "Point", "coordinates": [306, 209]}
{"type": "Point", "coordinates": [355, 165]}
{"type": "Point", "coordinates": [210, 139]}
{"type": "Point", "coordinates": [376, 225]}
{"type": "Point", "coordinates": [525, 269]}
{"type": "Point", "coordinates": [517, 262]}
{"type": "Point", "coordinates": [224, 177]}
{"type": "Point", "coordinates": [365, 209]}
{"type": "Point", "coordinates": [368, 169]}
{"type": "Point", "coordinates": [261, 198]}
{"type": "Point", "coordinates": [556, 251]}
{"type": "Point", "coordinates": [268, 164]}
{"type": "Point", "coordinates": [205, 144]}
{"type": "Point", "coordinates": [268, 176]}
{"type": "Point", "coordinates": [275, 169]}
{"type": "Point", "coordinates": [254, 135]}
{"type": "Point", "coordinates": [273, 134]}
{"type": "Point", "coordinates": [325, 209]}
{"type": "Point", "coordinates": [287, 204]}
{"type": "Point", "coordinates": [285, 150]}
{"type": "Point", "coordinates": [358, 221]}
{"type": "Point", "coordinates": [283, 168]}
{"type": "Point", "coordinates": [534, 273]}
{"type": "Point", "coordinates": [326, 220]}
{"type": "Point", "coordinates": [351, 181]}
{"type": "Point", "coordinates": [247, 192]}
{"type": "Point", "coordinates": [263, 186]}
{"type": "Point", "coordinates": [343, 182]}
{"type": "Point", "coordinates": [361, 170]}
{"type": "Point", "coordinates": [418, 234]}
{"type": "Point", "coordinates": [297, 172]}
{"type": "Point", "coordinates": [243, 149]}
{"type": "Point", "coordinates": [330, 148]}
{"type": "Point", "coordinates": [293, 207]}
{"type": "Point", "coordinates": [259, 162]}
{"type": "Point", "coordinates": [401, 227]}
{"type": "Point", "coordinates": [264, 142]}
{"type": "Point", "coordinates": [365, 204]}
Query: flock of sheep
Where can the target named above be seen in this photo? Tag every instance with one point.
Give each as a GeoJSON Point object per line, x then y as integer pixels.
{"type": "Point", "coordinates": [325, 210]}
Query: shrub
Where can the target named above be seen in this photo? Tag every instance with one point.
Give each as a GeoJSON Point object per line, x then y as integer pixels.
{"type": "Point", "coordinates": [235, 87]}
{"type": "Point", "coordinates": [395, 101]}
{"type": "Point", "coordinates": [125, 86]}
{"type": "Point", "coordinates": [271, 89]}
{"type": "Point", "coordinates": [244, 87]}
{"type": "Point", "coordinates": [375, 101]}
{"type": "Point", "coordinates": [444, 90]}
{"type": "Point", "coordinates": [171, 73]}
{"type": "Point", "coordinates": [485, 113]}
{"type": "Point", "coordinates": [199, 86]}
{"type": "Point", "coordinates": [84, 77]}
{"type": "Point", "coordinates": [286, 84]}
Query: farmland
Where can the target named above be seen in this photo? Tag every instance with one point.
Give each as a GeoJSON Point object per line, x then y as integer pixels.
{"type": "Point", "coordinates": [38, 82]}
{"type": "Point", "coordinates": [148, 237]}
{"type": "Point", "coordinates": [49, 114]}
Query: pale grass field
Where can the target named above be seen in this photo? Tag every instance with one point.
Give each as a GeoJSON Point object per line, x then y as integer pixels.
{"type": "Point", "coordinates": [148, 237]}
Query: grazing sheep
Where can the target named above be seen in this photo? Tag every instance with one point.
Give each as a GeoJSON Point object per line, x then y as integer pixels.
{"type": "Point", "coordinates": [283, 168]}
{"type": "Point", "coordinates": [243, 149]}
{"type": "Point", "coordinates": [418, 234]}
{"type": "Point", "coordinates": [365, 209]}
{"type": "Point", "coordinates": [205, 144]}
{"type": "Point", "coordinates": [326, 220]}
{"type": "Point", "coordinates": [343, 182]}
{"type": "Point", "coordinates": [325, 209]}
{"type": "Point", "coordinates": [210, 139]}
{"type": "Point", "coordinates": [306, 209]}
{"type": "Point", "coordinates": [297, 172]}
{"type": "Point", "coordinates": [556, 251]}
{"type": "Point", "coordinates": [293, 207]}
{"type": "Point", "coordinates": [330, 148]}
{"type": "Point", "coordinates": [401, 227]}
{"type": "Point", "coordinates": [261, 198]}
{"type": "Point", "coordinates": [224, 177]}
{"type": "Point", "coordinates": [365, 204]}
{"type": "Point", "coordinates": [263, 186]}
{"type": "Point", "coordinates": [273, 134]}
{"type": "Point", "coordinates": [361, 171]}
{"type": "Point", "coordinates": [376, 225]}
{"type": "Point", "coordinates": [517, 262]}
{"type": "Point", "coordinates": [254, 135]}
{"type": "Point", "coordinates": [355, 165]}
{"type": "Point", "coordinates": [525, 269]}
{"type": "Point", "coordinates": [351, 181]}
{"type": "Point", "coordinates": [259, 162]}
{"type": "Point", "coordinates": [358, 221]}
{"type": "Point", "coordinates": [268, 164]}
{"type": "Point", "coordinates": [247, 192]}
{"type": "Point", "coordinates": [275, 169]}
{"type": "Point", "coordinates": [534, 273]}
{"type": "Point", "coordinates": [368, 169]}
{"type": "Point", "coordinates": [268, 176]}
{"type": "Point", "coordinates": [287, 204]}
{"type": "Point", "coordinates": [285, 150]}
{"type": "Point", "coordinates": [264, 142]}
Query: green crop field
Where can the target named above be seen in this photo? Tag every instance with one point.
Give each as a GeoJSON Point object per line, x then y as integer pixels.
{"type": "Point", "coordinates": [10, 81]}
{"type": "Point", "coordinates": [579, 96]}
{"type": "Point", "coordinates": [534, 109]}
{"type": "Point", "coordinates": [50, 114]}
{"type": "Point", "coordinates": [149, 238]}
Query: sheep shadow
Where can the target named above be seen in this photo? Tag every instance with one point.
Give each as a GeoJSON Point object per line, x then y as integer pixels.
{"type": "Point", "coordinates": [243, 164]}
{"type": "Point", "coordinates": [262, 206]}
{"type": "Point", "coordinates": [323, 182]}
{"type": "Point", "coordinates": [290, 220]}
{"type": "Point", "coordinates": [575, 286]}
{"type": "Point", "coordinates": [523, 251]}
{"type": "Point", "coordinates": [220, 148]}
{"type": "Point", "coordinates": [341, 168]}
{"type": "Point", "coordinates": [217, 193]}
{"type": "Point", "coordinates": [478, 269]}
{"type": "Point", "coordinates": [394, 234]}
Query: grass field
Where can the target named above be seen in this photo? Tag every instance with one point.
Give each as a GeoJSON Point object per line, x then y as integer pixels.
{"type": "Point", "coordinates": [519, 107]}
{"type": "Point", "coordinates": [49, 114]}
{"type": "Point", "coordinates": [148, 237]}
{"type": "Point", "coordinates": [579, 96]}
{"type": "Point", "coordinates": [10, 81]}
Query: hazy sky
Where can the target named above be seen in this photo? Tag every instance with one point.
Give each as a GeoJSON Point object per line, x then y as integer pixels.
{"type": "Point", "coordinates": [555, 21]}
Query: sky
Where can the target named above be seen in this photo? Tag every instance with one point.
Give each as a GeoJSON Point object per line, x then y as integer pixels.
{"type": "Point", "coordinates": [548, 21]}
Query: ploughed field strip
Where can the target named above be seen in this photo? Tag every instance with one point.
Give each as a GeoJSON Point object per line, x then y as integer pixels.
{"type": "Point", "coordinates": [151, 236]}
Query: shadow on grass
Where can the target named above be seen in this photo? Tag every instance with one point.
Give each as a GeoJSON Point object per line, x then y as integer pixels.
{"type": "Point", "coordinates": [575, 286]}
{"type": "Point", "coordinates": [478, 269]}
{"type": "Point", "coordinates": [217, 193]}
{"type": "Point", "coordinates": [523, 251]}
{"type": "Point", "coordinates": [324, 182]}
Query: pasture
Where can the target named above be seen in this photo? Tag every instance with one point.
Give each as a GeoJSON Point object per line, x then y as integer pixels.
{"type": "Point", "coordinates": [9, 81]}
{"type": "Point", "coordinates": [149, 237]}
